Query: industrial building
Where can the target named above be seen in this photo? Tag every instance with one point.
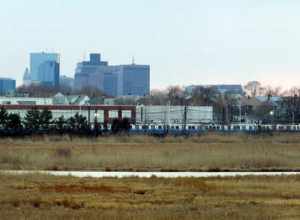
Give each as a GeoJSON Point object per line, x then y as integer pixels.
{"type": "Point", "coordinates": [25, 101]}
{"type": "Point", "coordinates": [174, 114]}
{"type": "Point", "coordinates": [99, 113]}
{"type": "Point", "coordinates": [68, 106]}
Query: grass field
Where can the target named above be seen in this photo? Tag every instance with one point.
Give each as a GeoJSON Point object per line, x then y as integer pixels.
{"type": "Point", "coordinates": [46, 197]}
{"type": "Point", "coordinates": [211, 152]}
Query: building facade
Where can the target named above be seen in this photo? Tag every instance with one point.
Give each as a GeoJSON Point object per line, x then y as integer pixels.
{"type": "Point", "coordinates": [7, 86]}
{"type": "Point", "coordinates": [48, 74]}
{"type": "Point", "coordinates": [66, 81]}
{"type": "Point", "coordinates": [25, 101]}
{"type": "Point", "coordinates": [133, 80]}
{"type": "Point", "coordinates": [45, 68]}
{"type": "Point", "coordinates": [99, 113]}
{"type": "Point", "coordinates": [90, 74]}
{"type": "Point", "coordinates": [174, 114]}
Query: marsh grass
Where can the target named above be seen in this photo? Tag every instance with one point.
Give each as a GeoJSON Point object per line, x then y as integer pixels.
{"type": "Point", "coordinates": [210, 152]}
{"type": "Point", "coordinates": [37, 197]}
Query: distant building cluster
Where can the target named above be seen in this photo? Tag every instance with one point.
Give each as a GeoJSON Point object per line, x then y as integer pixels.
{"type": "Point", "coordinates": [131, 80]}
{"type": "Point", "coordinates": [112, 80]}
{"type": "Point", "coordinates": [119, 80]}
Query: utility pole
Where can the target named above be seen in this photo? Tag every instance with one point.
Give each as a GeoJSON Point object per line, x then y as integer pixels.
{"type": "Point", "coordinates": [89, 115]}
{"type": "Point", "coordinates": [142, 114]}
{"type": "Point", "coordinates": [240, 110]}
{"type": "Point", "coordinates": [165, 119]}
{"type": "Point", "coordinates": [185, 118]}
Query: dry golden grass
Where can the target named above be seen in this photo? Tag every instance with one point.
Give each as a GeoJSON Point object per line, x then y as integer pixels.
{"type": "Point", "coordinates": [45, 197]}
{"type": "Point", "coordinates": [209, 152]}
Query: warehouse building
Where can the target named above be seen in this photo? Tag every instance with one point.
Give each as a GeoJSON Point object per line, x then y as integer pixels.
{"type": "Point", "coordinates": [99, 113]}
{"type": "Point", "coordinates": [174, 114]}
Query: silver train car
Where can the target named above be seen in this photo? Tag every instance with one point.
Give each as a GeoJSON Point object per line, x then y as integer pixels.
{"type": "Point", "coordinates": [198, 128]}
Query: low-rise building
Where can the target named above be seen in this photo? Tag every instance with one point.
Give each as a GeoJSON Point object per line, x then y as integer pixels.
{"type": "Point", "coordinates": [234, 89]}
{"type": "Point", "coordinates": [60, 99]}
{"type": "Point", "coordinates": [99, 113]}
{"type": "Point", "coordinates": [25, 101]}
{"type": "Point", "coordinates": [174, 114]}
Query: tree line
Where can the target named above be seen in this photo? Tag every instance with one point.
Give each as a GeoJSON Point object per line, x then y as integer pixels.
{"type": "Point", "coordinates": [42, 122]}
{"type": "Point", "coordinates": [227, 106]}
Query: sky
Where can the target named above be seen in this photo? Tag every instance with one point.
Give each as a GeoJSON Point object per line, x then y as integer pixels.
{"type": "Point", "coordinates": [185, 42]}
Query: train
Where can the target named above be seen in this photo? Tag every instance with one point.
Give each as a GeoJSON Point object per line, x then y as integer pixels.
{"type": "Point", "coordinates": [192, 129]}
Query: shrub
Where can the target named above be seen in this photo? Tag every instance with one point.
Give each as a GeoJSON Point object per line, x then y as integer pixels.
{"type": "Point", "coordinates": [63, 152]}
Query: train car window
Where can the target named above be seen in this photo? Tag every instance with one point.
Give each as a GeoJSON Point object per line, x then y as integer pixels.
{"type": "Point", "coordinates": [145, 127]}
{"type": "Point", "coordinates": [159, 127]}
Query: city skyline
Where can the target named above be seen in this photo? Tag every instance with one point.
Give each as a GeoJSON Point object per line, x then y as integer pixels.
{"type": "Point", "coordinates": [196, 42]}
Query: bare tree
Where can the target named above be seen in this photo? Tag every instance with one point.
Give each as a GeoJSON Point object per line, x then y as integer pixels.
{"type": "Point", "coordinates": [204, 96]}
{"type": "Point", "coordinates": [271, 91]}
{"type": "Point", "coordinates": [253, 88]}
{"type": "Point", "coordinates": [89, 91]}
{"type": "Point", "coordinates": [175, 95]}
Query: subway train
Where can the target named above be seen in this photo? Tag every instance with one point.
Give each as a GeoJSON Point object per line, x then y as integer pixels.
{"type": "Point", "coordinates": [191, 129]}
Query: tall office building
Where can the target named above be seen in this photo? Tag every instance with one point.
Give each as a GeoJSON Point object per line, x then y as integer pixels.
{"type": "Point", "coordinates": [120, 80]}
{"type": "Point", "coordinates": [133, 80]}
{"type": "Point", "coordinates": [90, 74]}
{"type": "Point", "coordinates": [44, 68]}
{"type": "Point", "coordinates": [111, 83]}
{"type": "Point", "coordinates": [48, 73]}
{"type": "Point", "coordinates": [7, 86]}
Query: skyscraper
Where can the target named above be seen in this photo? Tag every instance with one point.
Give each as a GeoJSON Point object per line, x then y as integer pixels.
{"type": "Point", "coordinates": [44, 68]}
{"type": "Point", "coordinates": [133, 80]}
{"type": "Point", "coordinates": [48, 73]}
{"type": "Point", "coordinates": [91, 73]}
{"type": "Point", "coordinates": [120, 80]}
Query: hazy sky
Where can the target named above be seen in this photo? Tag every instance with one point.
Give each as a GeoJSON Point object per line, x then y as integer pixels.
{"type": "Point", "coordinates": [185, 42]}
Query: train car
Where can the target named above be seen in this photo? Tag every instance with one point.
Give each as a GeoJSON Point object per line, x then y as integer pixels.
{"type": "Point", "coordinates": [192, 129]}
